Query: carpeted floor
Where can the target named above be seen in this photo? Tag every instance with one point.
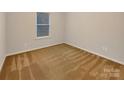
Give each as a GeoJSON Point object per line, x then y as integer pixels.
{"type": "Point", "coordinates": [60, 62]}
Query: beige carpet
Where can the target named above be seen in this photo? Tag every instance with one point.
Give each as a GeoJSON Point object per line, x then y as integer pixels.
{"type": "Point", "coordinates": [60, 62]}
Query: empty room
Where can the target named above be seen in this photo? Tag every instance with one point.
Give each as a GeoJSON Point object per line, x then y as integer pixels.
{"type": "Point", "coordinates": [61, 46]}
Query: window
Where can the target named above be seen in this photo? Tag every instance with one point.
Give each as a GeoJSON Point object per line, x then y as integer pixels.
{"type": "Point", "coordinates": [42, 24]}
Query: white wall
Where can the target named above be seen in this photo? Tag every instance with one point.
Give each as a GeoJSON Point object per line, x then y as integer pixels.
{"type": "Point", "coordinates": [2, 39]}
{"type": "Point", "coordinates": [101, 33]}
{"type": "Point", "coordinates": [21, 30]}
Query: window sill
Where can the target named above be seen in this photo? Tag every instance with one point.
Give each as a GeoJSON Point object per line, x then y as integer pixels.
{"type": "Point", "coordinates": [42, 37]}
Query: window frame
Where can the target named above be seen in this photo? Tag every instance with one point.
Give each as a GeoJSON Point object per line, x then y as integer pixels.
{"type": "Point", "coordinates": [40, 37]}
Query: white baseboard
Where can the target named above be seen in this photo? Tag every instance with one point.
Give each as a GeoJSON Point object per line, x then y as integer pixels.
{"type": "Point", "coordinates": [112, 59]}
{"type": "Point", "coordinates": [1, 65]}
{"type": "Point", "coordinates": [27, 50]}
